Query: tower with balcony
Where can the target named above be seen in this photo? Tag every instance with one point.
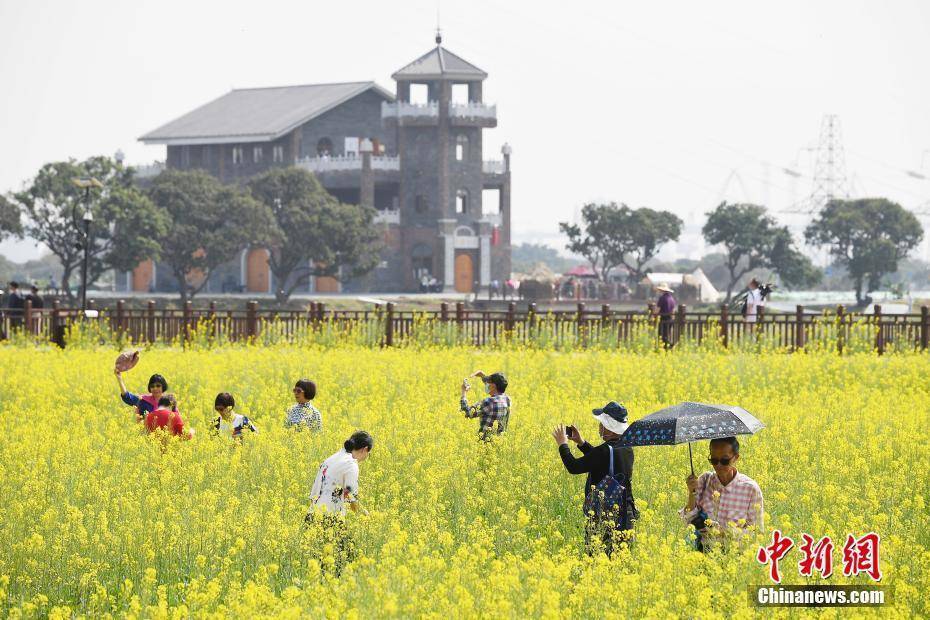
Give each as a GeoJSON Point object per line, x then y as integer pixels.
{"type": "Point", "coordinates": [445, 230]}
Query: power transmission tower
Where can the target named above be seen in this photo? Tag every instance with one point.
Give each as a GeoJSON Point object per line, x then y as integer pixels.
{"type": "Point", "coordinates": [829, 180]}
{"type": "Point", "coordinates": [830, 170]}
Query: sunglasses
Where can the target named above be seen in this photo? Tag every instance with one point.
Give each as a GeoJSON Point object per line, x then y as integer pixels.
{"type": "Point", "coordinates": [724, 461]}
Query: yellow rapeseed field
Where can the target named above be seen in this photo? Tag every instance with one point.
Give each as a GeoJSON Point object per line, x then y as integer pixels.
{"type": "Point", "coordinates": [96, 519]}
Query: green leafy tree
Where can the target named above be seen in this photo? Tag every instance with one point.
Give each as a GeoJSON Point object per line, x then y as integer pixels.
{"type": "Point", "coordinates": [644, 231]}
{"type": "Point", "coordinates": [210, 224]}
{"type": "Point", "coordinates": [752, 240]}
{"type": "Point", "coordinates": [618, 235]}
{"type": "Point", "coordinates": [340, 240]}
{"type": "Point", "coordinates": [10, 224]}
{"type": "Point", "coordinates": [125, 222]}
{"type": "Point", "coordinates": [868, 237]}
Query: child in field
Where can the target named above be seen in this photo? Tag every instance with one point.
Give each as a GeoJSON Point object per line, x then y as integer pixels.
{"type": "Point", "coordinates": [165, 417]}
{"type": "Point", "coordinates": [229, 423]}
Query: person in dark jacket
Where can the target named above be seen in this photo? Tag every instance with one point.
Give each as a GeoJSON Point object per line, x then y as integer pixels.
{"type": "Point", "coordinates": [15, 302]}
{"type": "Point", "coordinates": [595, 462]}
{"type": "Point", "coordinates": [665, 310]}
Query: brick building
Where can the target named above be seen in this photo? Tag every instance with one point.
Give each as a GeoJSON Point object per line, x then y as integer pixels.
{"type": "Point", "coordinates": [416, 160]}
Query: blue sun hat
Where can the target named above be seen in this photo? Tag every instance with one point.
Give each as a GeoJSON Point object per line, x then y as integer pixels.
{"type": "Point", "coordinates": [613, 416]}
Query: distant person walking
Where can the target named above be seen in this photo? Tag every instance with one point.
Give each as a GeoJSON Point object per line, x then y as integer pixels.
{"type": "Point", "coordinates": [754, 301]}
{"type": "Point", "coordinates": [665, 309]}
{"type": "Point", "coordinates": [15, 302]}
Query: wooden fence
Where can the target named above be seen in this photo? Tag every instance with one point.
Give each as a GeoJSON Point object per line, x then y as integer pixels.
{"type": "Point", "coordinates": [581, 327]}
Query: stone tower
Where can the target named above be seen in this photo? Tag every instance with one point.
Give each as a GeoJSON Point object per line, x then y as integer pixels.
{"type": "Point", "coordinates": [445, 231]}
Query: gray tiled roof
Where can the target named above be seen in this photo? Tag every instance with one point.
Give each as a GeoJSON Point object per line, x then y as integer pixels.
{"type": "Point", "coordinates": [440, 63]}
{"type": "Point", "coordinates": [257, 114]}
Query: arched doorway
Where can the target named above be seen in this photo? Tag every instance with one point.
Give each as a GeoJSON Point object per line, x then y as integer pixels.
{"type": "Point", "coordinates": [142, 276]}
{"type": "Point", "coordinates": [257, 272]}
{"type": "Point", "coordinates": [464, 273]}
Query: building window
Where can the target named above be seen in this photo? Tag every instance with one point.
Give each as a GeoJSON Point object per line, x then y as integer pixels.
{"type": "Point", "coordinates": [238, 155]}
{"type": "Point", "coordinates": [258, 153]}
{"type": "Point", "coordinates": [324, 147]}
{"type": "Point", "coordinates": [461, 148]}
{"type": "Point", "coordinates": [461, 201]}
{"type": "Point", "coordinates": [277, 154]}
{"type": "Point", "coordinates": [420, 205]}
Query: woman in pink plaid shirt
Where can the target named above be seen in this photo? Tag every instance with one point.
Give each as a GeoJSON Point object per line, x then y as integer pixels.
{"type": "Point", "coordinates": [722, 502]}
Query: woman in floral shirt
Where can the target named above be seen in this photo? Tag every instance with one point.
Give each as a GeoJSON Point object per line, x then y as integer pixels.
{"type": "Point", "coordinates": [304, 413]}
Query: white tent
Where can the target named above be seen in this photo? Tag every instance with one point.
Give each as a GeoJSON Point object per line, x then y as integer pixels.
{"type": "Point", "coordinates": [706, 290]}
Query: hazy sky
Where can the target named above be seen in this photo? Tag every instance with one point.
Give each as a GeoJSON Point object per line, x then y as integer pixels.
{"type": "Point", "coordinates": [648, 103]}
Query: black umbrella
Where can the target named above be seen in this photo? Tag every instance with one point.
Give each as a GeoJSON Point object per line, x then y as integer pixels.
{"type": "Point", "coordinates": [687, 422]}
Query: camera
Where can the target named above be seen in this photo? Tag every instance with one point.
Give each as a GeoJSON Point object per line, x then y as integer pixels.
{"type": "Point", "coordinates": [570, 431]}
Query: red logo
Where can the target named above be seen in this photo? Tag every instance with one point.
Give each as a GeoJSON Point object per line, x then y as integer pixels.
{"type": "Point", "coordinates": [860, 555]}
{"type": "Point", "coordinates": [774, 553]}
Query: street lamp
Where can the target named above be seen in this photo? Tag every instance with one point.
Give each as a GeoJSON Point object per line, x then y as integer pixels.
{"type": "Point", "coordinates": [85, 183]}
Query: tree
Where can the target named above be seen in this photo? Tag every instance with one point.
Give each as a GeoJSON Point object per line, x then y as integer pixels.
{"type": "Point", "coordinates": [618, 235]}
{"type": "Point", "coordinates": [125, 221]}
{"type": "Point", "coordinates": [600, 242]}
{"type": "Point", "coordinates": [643, 232]}
{"type": "Point", "coordinates": [10, 224]}
{"type": "Point", "coordinates": [210, 224]}
{"type": "Point", "coordinates": [752, 240]}
{"type": "Point", "coordinates": [867, 236]}
{"type": "Point", "coordinates": [338, 240]}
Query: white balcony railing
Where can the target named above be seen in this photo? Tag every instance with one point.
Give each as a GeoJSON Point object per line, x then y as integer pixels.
{"type": "Point", "coordinates": [149, 171]}
{"type": "Point", "coordinates": [494, 219]}
{"type": "Point", "coordinates": [472, 110]}
{"type": "Point", "coordinates": [352, 162]}
{"type": "Point", "coordinates": [494, 166]}
{"type": "Point", "coordinates": [401, 109]}
{"type": "Point", "coordinates": [388, 216]}
{"type": "Point", "coordinates": [385, 162]}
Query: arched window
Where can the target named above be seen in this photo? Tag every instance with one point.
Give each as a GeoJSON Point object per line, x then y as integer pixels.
{"type": "Point", "coordinates": [324, 147]}
{"type": "Point", "coordinates": [461, 148]}
{"type": "Point", "coordinates": [461, 201]}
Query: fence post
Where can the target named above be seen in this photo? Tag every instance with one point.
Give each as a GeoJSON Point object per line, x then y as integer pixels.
{"type": "Point", "coordinates": [251, 319]}
{"type": "Point", "coordinates": [444, 311]}
{"type": "Point", "coordinates": [760, 323]}
{"type": "Point", "coordinates": [150, 320]}
{"type": "Point", "coordinates": [511, 311]}
{"type": "Point", "coordinates": [321, 311]}
{"type": "Point", "coordinates": [680, 321]}
{"type": "Point", "coordinates": [581, 339]}
{"type": "Point", "coordinates": [27, 316]}
{"type": "Point", "coordinates": [879, 333]}
{"type": "Point", "coordinates": [188, 307]}
{"type": "Point", "coordinates": [389, 325]}
{"type": "Point", "coordinates": [924, 327]}
{"type": "Point", "coordinates": [840, 328]}
{"type": "Point", "coordinates": [120, 309]}
{"type": "Point", "coordinates": [531, 318]}
{"type": "Point", "coordinates": [212, 317]}
{"type": "Point", "coordinates": [798, 327]}
{"type": "Point", "coordinates": [725, 324]}
{"type": "Point", "coordinates": [57, 327]}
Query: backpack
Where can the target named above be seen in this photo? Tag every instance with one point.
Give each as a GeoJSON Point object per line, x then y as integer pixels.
{"type": "Point", "coordinates": [607, 500]}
